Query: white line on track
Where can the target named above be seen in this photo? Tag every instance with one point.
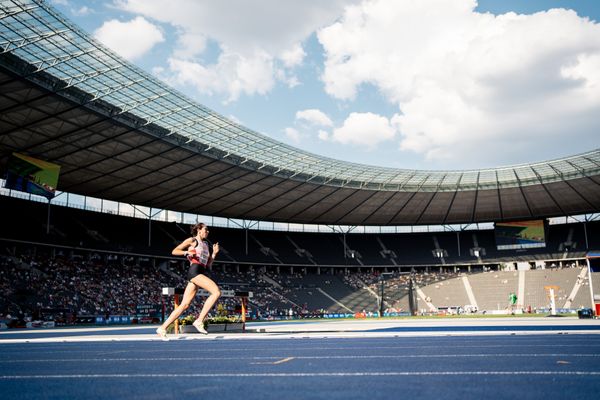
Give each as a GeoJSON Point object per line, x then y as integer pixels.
{"type": "Point", "coordinates": [140, 359]}
{"type": "Point", "coordinates": [296, 335]}
{"type": "Point", "coordinates": [168, 348]}
{"type": "Point", "coordinates": [275, 362]}
{"type": "Point", "coordinates": [305, 374]}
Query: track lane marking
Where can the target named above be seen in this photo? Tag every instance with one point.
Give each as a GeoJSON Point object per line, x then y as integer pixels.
{"type": "Point", "coordinates": [400, 356]}
{"type": "Point", "coordinates": [305, 374]}
{"type": "Point", "coordinates": [284, 360]}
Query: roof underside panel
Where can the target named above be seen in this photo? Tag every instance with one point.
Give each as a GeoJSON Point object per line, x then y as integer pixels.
{"type": "Point", "coordinates": [302, 199]}
{"type": "Point", "coordinates": [568, 199]}
{"type": "Point", "coordinates": [461, 210]}
{"type": "Point", "coordinates": [414, 208]}
{"type": "Point", "coordinates": [514, 205]}
{"type": "Point", "coordinates": [540, 200]}
{"type": "Point", "coordinates": [370, 211]}
{"type": "Point", "coordinates": [269, 200]}
{"type": "Point", "coordinates": [487, 206]}
{"type": "Point", "coordinates": [589, 189]}
{"type": "Point", "coordinates": [348, 203]}
{"type": "Point", "coordinates": [323, 202]}
{"type": "Point", "coordinates": [276, 198]}
{"type": "Point", "coordinates": [388, 212]}
{"type": "Point", "coordinates": [437, 210]}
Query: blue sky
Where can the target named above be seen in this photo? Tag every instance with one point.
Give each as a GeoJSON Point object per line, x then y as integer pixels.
{"type": "Point", "coordinates": [433, 84]}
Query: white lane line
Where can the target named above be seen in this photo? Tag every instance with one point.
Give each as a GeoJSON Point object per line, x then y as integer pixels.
{"type": "Point", "coordinates": [284, 360]}
{"type": "Point", "coordinates": [304, 374]}
{"type": "Point", "coordinates": [310, 335]}
{"type": "Point", "coordinates": [360, 357]}
{"type": "Point", "coordinates": [169, 349]}
{"type": "Point", "coordinates": [274, 362]}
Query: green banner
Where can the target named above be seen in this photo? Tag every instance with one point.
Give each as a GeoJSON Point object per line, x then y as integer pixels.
{"type": "Point", "coordinates": [32, 175]}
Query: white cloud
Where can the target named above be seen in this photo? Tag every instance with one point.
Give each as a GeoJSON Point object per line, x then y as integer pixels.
{"type": "Point", "coordinates": [323, 135]}
{"type": "Point", "coordinates": [189, 45]}
{"type": "Point", "coordinates": [586, 70]}
{"type": "Point", "coordinates": [262, 35]}
{"type": "Point", "coordinates": [282, 75]}
{"type": "Point", "coordinates": [293, 135]}
{"type": "Point", "coordinates": [314, 117]}
{"type": "Point", "coordinates": [130, 39]}
{"type": "Point", "coordinates": [471, 87]}
{"type": "Point", "coordinates": [242, 26]}
{"type": "Point", "coordinates": [82, 11]}
{"type": "Point", "coordinates": [233, 74]}
{"type": "Point", "coordinates": [293, 57]}
{"type": "Point", "coordinates": [364, 129]}
{"type": "Point", "coordinates": [292, 81]}
{"type": "Point", "coordinates": [306, 121]}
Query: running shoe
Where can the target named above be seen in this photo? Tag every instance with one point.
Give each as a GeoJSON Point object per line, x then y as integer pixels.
{"type": "Point", "coordinates": [199, 325]}
{"type": "Point", "coordinates": [162, 332]}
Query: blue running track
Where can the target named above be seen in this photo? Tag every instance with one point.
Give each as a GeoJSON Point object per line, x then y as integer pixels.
{"type": "Point", "coordinates": [512, 367]}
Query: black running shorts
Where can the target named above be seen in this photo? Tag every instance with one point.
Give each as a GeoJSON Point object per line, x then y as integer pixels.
{"type": "Point", "coordinates": [195, 270]}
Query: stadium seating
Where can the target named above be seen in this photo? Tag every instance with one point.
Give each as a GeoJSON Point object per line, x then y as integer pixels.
{"type": "Point", "coordinates": [47, 267]}
{"type": "Point", "coordinates": [108, 232]}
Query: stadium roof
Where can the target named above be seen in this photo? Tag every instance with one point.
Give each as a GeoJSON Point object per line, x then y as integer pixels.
{"type": "Point", "coordinates": [121, 134]}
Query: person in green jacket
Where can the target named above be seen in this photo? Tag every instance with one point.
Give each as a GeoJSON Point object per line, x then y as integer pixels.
{"type": "Point", "coordinates": [512, 302]}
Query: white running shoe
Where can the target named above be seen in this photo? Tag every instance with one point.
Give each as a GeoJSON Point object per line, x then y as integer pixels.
{"type": "Point", "coordinates": [162, 332]}
{"type": "Point", "coordinates": [199, 325]}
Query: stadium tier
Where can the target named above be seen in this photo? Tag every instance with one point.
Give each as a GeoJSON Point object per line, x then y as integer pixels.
{"type": "Point", "coordinates": [54, 283]}
{"type": "Point", "coordinates": [107, 232]}
{"type": "Point", "coordinates": [119, 134]}
{"type": "Point", "coordinates": [87, 264]}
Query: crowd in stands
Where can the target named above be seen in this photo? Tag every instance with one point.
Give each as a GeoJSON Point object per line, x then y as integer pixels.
{"type": "Point", "coordinates": [63, 286]}
{"type": "Point", "coordinates": [88, 263]}
{"type": "Point", "coordinates": [72, 287]}
{"type": "Point", "coordinates": [67, 287]}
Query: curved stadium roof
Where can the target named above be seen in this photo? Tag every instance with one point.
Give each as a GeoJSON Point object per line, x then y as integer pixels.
{"type": "Point", "coordinates": [121, 134]}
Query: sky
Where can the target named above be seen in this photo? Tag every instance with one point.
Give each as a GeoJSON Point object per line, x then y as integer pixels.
{"type": "Point", "coordinates": [427, 84]}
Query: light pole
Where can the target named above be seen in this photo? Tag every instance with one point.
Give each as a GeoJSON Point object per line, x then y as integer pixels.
{"type": "Point", "coordinates": [412, 304]}
{"type": "Point", "coordinates": [381, 280]}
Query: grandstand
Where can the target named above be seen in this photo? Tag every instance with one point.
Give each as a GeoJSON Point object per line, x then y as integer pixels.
{"type": "Point", "coordinates": [122, 136]}
{"type": "Point", "coordinates": [92, 243]}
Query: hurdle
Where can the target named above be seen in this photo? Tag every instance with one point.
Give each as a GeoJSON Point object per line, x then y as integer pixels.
{"type": "Point", "coordinates": [175, 292]}
{"type": "Point", "coordinates": [243, 295]}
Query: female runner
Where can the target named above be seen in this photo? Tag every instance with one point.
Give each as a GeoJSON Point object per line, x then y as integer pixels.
{"type": "Point", "coordinates": [196, 250]}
